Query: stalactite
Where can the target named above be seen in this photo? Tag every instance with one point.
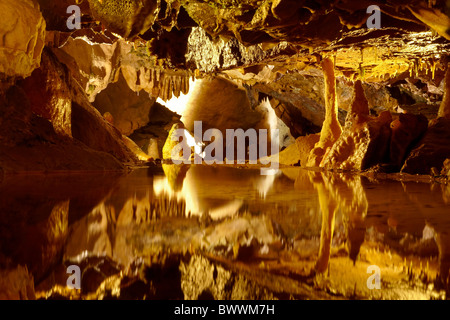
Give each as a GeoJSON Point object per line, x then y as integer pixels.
{"type": "Point", "coordinates": [177, 86]}
{"type": "Point", "coordinates": [185, 88]}
{"type": "Point", "coordinates": [170, 88]}
{"type": "Point", "coordinates": [433, 68]}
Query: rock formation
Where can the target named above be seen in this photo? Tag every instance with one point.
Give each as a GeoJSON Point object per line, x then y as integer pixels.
{"type": "Point", "coordinates": [331, 129]}
{"type": "Point", "coordinates": [22, 31]}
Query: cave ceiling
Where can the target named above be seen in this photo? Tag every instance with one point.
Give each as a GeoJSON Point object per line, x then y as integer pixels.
{"type": "Point", "coordinates": [283, 35]}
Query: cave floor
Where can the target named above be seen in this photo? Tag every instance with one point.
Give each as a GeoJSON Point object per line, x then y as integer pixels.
{"type": "Point", "coordinates": [210, 232]}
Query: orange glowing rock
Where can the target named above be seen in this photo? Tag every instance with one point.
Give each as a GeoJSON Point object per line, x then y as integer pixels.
{"type": "Point", "coordinates": [304, 145]}
{"type": "Point", "coordinates": [331, 129]}
{"type": "Point", "coordinates": [22, 30]}
{"type": "Point", "coordinates": [364, 141]}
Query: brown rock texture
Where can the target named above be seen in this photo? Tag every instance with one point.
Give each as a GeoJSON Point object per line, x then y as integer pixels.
{"type": "Point", "coordinates": [304, 145]}
{"type": "Point", "coordinates": [49, 94]}
{"type": "Point", "coordinates": [130, 110]}
{"type": "Point", "coordinates": [22, 34]}
{"type": "Point", "coordinates": [16, 284]}
{"type": "Point", "coordinates": [127, 18]}
{"type": "Point", "coordinates": [361, 145]}
{"type": "Point", "coordinates": [364, 140]}
{"type": "Point", "coordinates": [406, 131]}
{"type": "Point", "coordinates": [47, 123]}
{"type": "Point", "coordinates": [432, 150]}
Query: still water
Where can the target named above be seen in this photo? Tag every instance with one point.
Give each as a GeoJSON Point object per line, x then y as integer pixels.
{"type": "Point", "coordinates": [205, 232]}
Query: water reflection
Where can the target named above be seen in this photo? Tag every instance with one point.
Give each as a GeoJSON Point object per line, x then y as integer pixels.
{"type": "Point", "coordinates": [296, 226]}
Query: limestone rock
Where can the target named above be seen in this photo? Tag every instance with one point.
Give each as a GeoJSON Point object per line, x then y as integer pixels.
{"type": "Point", "coordinates": [304, 145]}
{"type": "Point", "coordinates": [130, 110]}
{"type": "Point", "coordinates": [47, 89]}
{"type": "Point", "coordinates": [152, 137]}
{"type": "Point", "coordinates": [432, 150]}
{"type": "Point", "coordinates": [406, 130]}
{"type": "Point", "coordinates": [22, 34]}
{"type": "Point", "coordinates": [28, 142]}
{"type": "Point", "coordinates": [171, 143]}
{"type": "Point", "coordinates": [289, 156]}
{"type": "Point", "coordinates": [141, 155]}
{"type": "Point", "coordinates": [219, 104]}
{"type": "Point", "coordinates": [93, 65]}
{"type": "Point", "coordinates": [363, 142]}
{"type": "Point", "coordinates": [153, 149]}
{"type": "Point", "coordinates": [361, 145]}
{"type": "Point", "coordinates": [16, 284]}
{"type": "Point", "coordinates": [127, 18]}
{"type": "Point", "coordinates": [52, 126]}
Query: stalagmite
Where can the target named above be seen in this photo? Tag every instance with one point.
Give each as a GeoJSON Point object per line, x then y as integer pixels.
{"type": "Point", "coordinates": [444, 110]}
{"type": "Point", "coordinates": [331, 129]}
{"type": "Point", "coordinates": [360, 105]}
{"type": "Point", "coordinates": [365, 139]}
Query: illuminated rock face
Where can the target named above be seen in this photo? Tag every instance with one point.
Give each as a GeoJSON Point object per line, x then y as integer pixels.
{"type": "Point", "coordinates": [22, 30]}
{"type": "Point", "coordinates": [220, 104]}
{"type": "Point", "coordinates": [130, 110]}
{"type": "Point", "coordinates": [127, 18]}
{"type": "Point", "coordinates": [48, 124]}
{"type": "Point", "coordinates": [93, 65]}
{"type": "Point", "coordinates": [364, 140]}
{"type": "Point", "coordinates": [47, 89]}
{"type": "Point", "coordinates": [361, 145]}
{"type": "Point", "coordinates": [331, 129]}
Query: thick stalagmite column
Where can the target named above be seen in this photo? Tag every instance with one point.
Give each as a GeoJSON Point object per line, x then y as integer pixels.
{"type": "Point", "coordinates": [331, 129]}
{"type": "Point", "coordinates": [444, 110]}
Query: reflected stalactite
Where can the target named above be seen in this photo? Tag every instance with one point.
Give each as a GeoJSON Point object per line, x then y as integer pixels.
{"type": "Point", "coordinates": [328, 206]}
{"type": "Point", "coordinates": [354, 206]}
{"type": "Point", "coordinates": [345, 193]}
